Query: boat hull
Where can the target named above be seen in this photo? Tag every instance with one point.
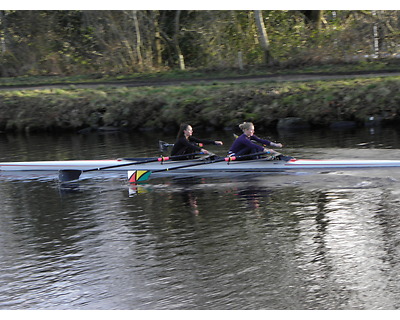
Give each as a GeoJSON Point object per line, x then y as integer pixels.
{"type": "Point", "coordinates": [260, 165]}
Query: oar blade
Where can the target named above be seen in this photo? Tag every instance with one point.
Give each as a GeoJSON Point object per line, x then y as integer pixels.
{"type": "Point", "coordinates": [136, 176]}
{"type": "Point", "coordinates": [69, 175]}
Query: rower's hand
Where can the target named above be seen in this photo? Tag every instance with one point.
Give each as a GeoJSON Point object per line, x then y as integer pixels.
{"type": "Point", "coordinates": [208, 153]}
{"type": "Point", "coordinates": [276, 145]}
{"type": "Point", "coordinates": [220, 143]}
{"type": "Point", "coordinates": [270, 151]}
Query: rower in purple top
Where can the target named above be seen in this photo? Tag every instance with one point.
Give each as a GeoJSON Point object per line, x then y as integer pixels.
{"type": "Point", "coordinates": [245, 143]}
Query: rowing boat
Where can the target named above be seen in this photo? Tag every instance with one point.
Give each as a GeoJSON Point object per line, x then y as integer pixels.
{"type": "Point", "coordinates": [195, 165]}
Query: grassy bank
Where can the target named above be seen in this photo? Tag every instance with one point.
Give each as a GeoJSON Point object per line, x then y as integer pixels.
{"type": "Point", "coordinates": [212, 106]}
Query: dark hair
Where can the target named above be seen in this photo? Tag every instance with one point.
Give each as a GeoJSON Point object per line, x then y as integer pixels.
{"type": "Point", "coordinates": [182, 128]}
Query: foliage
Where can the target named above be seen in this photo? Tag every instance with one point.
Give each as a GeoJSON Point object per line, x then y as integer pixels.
{"type": "Point", "coordinates": [76, 42]}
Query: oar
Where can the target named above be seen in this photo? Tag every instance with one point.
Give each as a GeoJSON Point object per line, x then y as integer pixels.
{"type": "Point", "coordinates": [143, 175]}
{"type": "Point", "coordinates": [165, 145]}
{"type": "Point", "coordinates": [73, 174]}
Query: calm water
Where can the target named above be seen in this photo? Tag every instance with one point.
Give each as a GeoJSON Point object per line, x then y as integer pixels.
{"type": "Point", "coordinates": [325, 240]}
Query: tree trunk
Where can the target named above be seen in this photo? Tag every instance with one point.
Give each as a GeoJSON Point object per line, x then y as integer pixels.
{"type": "Point", "coordinates": [138, 39]}
{"type": "Point", "coordinates": [313, 18]}
{"type": "Point", "coordinates": [181, 59]}
{"type": "Point", "coordinates": [3, 32]}
{"type": "Point", "coordinates": [376, 42]}
{"type": "Point", "coordinates": [157, 48]}
{"type": "Point", "coordinates": [262, 33]}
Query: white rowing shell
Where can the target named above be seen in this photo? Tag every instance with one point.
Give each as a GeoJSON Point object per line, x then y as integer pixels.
{"type": "Point", "coordinates": [245, 166]}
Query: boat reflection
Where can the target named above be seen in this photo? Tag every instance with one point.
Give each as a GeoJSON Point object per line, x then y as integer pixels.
{"type": "Point", "coordinates": [190, 191]}
{"type": "Point", "coordinates": [68, 188]}
{"type": "Point", "coordinates": [188, 196]}
{"type": "Point", "coordinates": [137, 189]}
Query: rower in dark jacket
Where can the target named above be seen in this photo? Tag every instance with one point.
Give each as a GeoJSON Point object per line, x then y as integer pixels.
{"type": "Point", "coordinates": [186, 144]}
{"type": "Point", "coordinates": [245, 143]}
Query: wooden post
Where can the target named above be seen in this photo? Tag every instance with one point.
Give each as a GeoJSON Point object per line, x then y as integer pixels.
{"type": "Point", "coordinates": [240, 60]}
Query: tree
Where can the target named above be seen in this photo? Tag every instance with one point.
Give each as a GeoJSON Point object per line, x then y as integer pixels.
{"type": "Point", "coordinates": [119, 42]}
{"type": "Point", "coordinates": [313, 18]}
{"type": "Point", "coordinates": [262, 33]}
{"type": "Point", "coordinates": [170, 31]}
{"type": "Point", "coordinates": [3, 29]}
{"type": "Point", "coordinates": [138, 38]}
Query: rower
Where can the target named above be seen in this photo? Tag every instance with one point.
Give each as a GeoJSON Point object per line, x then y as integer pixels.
{"type": "Point", "coordinates": [186, 144]}
{"type": "Point", "coordinates": [245, 143]}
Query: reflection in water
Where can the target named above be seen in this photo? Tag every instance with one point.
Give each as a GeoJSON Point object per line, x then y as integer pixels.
{"type": "Point", "coordinates": [190, 200]}
{"type": "Point", "coordinates": [201, 244]}
{"type": "Point", "coordinates": [188, 197]}
{"type": "Point", "coordinates": [70, 187]}
{"type": "Point", "coordinates": [252, 196]}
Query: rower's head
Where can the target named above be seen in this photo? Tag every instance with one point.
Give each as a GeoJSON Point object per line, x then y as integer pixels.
{"type": "Point", "coordinates": [185, 130]}
{"type": "Point", "coordinates": [247, 128]}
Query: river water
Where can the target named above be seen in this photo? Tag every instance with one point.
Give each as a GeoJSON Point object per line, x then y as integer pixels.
{"type": "Point", "coordinates": [321, 240]}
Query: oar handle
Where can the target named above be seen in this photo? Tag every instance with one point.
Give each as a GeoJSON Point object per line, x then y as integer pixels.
{"type": "Point", "coordinates": [233, 158]}
{"type": "Point", "coordinates": [203, 162]}
{"type": "Point", "coordinates": [180, 156]}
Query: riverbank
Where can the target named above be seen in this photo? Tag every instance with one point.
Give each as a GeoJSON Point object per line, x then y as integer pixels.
{"type": "Point", "coordinates": [205, 104]}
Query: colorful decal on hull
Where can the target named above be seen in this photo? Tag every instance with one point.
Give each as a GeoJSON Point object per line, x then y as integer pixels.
{"type": "Point", "coordinates": [138, 176]}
